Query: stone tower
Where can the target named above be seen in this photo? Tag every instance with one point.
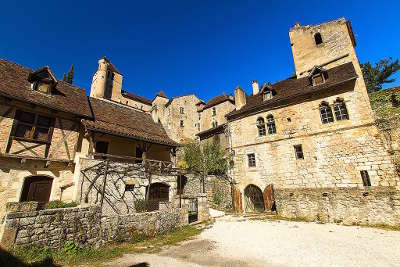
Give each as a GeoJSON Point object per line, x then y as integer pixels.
{"type": "Point", "coordinates": [107, 81]}
{"type": "Point", "coordinates": [327, 45]}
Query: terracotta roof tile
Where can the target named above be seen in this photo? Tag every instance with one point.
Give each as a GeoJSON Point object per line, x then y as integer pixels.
{"type": "Point", "coordinates": [116, 119]}
{"type": "Point", "coordinates": [66, 97]}
{"type": "Point", "coordinates": [218, 100]}
{"type": "Point", "coordinates": [136, 97]}
{"type": "Point", "coordinates": [288, 91]}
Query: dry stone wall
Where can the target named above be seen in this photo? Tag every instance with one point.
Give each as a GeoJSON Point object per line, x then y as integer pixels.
{"type": "Point", "coordinates": [84, 226]}
{"type": "Point", "coordinates": [350, 206]}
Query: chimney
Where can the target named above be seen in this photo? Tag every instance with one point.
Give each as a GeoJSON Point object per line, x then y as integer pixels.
{"type": "Point", "coordinates": [154, 114]}
{"type": "Point", "coordinates": [256, 88]}
{"type": "Point", "coordinates": [240, 97]}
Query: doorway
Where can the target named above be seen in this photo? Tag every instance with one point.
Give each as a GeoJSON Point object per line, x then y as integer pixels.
{"type": "Point", "coordinates": [254, 199]}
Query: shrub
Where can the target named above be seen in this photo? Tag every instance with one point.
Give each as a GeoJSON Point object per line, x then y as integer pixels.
{"type": "Point", "coordinates": [141, 205]}
{"type": "Point", "coordinates": [57, 204]}
{"type": "Point", "coordinates": [70, 247]}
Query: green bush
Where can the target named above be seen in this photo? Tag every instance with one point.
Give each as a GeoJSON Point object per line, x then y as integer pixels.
{"type": "Point", "coordinates": [217, 198]}
{"type": "Point", "coordinates": [141, 205]}
{"type": "Point", "coordinates": [70, 247]}
{"type": "Point", "coordinates": [58, 204]}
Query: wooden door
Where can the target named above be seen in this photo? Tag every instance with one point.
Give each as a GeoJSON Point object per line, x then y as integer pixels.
{"type": "Point", "coordinates": [237, 200]}
{"type": "Point", "coordinates": [269, 199]}
{"type": "Point", "coordinates": [39, 191]}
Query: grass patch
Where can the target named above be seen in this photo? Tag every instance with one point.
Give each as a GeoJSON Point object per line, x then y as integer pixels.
{"type": "Point", "coordinates": [70, 254]}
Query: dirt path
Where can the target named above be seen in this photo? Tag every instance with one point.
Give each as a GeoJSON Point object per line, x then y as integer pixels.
{"type": "Point", "coordinates": [237, 242]}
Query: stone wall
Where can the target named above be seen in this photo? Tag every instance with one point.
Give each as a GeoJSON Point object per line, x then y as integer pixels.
{"type": "Point", "coordinates": [364, 206]}
{"type": "Point", "coordinates": [84, 226]}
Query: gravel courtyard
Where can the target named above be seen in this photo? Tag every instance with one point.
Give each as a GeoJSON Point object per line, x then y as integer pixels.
{"type": "Point", "coordinates": [235, 241]}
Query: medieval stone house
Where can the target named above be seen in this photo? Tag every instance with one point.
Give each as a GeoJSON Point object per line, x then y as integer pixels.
{"type": "Point", "coordinates": [310, 132]}
{"type": "Point", "coordinates": [49, 127]}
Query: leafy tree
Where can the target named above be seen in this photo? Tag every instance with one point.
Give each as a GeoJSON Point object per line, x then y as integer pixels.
{"type": "Point", "coordinates": [206, 159]}
{"type": "Point", "coordinates": [70, 75]}
{"type": "Point", "coordinates": [379, 74]}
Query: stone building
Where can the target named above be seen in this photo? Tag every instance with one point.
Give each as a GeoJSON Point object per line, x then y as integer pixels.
{"type": "Point", "coordinates": [50, 131]}
{"type": "Point", "coordinates": [309, 132]}
{"type": "Point", "coordinates": [107, 84]}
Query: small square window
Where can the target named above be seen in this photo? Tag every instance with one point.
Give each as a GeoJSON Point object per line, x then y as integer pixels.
{"type": "Point", "coordinates": [181, 110]}
{"type": "Point", "coordinates": [181, 123]}
{"type": "Point", "coordinates": [251, 159]}
{"type": "Point", "coordinates": [365, 178]}
{"type": "Point", "coordinates": [129, 187]}
{"type": "Point", "coordinates": [298, 150]}
{"type": "Point", "coordinates": [214, 111]}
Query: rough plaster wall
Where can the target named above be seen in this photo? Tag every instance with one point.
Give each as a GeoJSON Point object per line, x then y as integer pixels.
{"type": "Point", "coordinates": [13, 174]}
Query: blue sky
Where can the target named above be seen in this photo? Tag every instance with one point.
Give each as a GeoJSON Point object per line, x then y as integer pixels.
{"type": "Point", "coordinates": [205, 47]}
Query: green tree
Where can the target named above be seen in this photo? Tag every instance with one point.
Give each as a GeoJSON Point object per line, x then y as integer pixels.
{"type": "Point", "coordinates": [206, 159]}
{"type": "Point", "coordinates": [70, 75]}
{"type": "Point", "coordinates": [375, 76]}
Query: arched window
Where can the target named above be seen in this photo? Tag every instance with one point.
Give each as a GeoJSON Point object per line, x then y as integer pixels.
{"type": "Point", "coordinates": [326, 113]}
{"type": "Point", "coordinates": [271, 124]}
{"type": "Point", "coordinates": [261, 127]}
{"type": "Point", "coordinates": [318, 38]}
{"type": "Point", "coordinates": [340, 110]}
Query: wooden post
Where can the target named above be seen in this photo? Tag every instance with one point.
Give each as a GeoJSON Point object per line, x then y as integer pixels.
{"type": "Point", "coordinates": [104, 185]}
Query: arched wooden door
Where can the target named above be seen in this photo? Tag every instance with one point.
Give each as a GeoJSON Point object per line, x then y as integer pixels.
{"type": "Point", "coordinates": [37, 188]}
{"type": "Point", "coordinates": [254, 199]}
{"type": "Point", "coordinates": [158, 192]}
{"type": "Point", "coordinates": [269, 199]}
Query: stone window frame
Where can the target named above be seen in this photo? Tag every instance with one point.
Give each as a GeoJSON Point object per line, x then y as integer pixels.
{"type": "Point", "coordinates": [214, 111]}
{"type": "Point", "coordinates": [251, 160]}
{"type": "Point", "coordinates": [318, 39]}
{"type": "Point", "coordinates": [340, 109]}
{"type": "Point", "coordinates": [181, 110]}
{"type": "Point", "coordinates": [182, 123]}
{"type": "Point", "coordinates": [298, 152]}
{"type": "Point", "coordinates": [214, 124]}
{"type": "Point", "coordinates": [271, 126]}
{"type": "Point", "coordinates": [325, 112]}
{"type": "Point", "coordinates": [365, 178]}
{"type": "Point", "coordinates": [261, 126]}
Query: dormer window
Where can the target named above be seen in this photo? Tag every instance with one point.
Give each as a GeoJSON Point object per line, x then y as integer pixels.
{"type": "Point", "coordinates": [42, 80]}
{"type": "Point", "coordinates": [267, 92]}
{"type": "Point", "coordinates": [317, 76]}
{"type": "Point", "coordinates": [267, 95]}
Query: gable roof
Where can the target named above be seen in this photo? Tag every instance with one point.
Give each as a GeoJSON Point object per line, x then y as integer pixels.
{"type": "Point", "coordinates": [212, 131]}
{"type": "Point", "coordinates": [290, 90]}
{"type": "Point", "coordinates": [137, 98]}
{"type": "Point", "coordinates": [218, 100]}
{"type": "Point", "coordinates": [115, 119]}
{"type": "Point", "coordinates": [112, 66]}
{"type": "Point", "coordinates": [66, 97]}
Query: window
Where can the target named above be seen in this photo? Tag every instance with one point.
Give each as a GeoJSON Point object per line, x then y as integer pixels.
{"type": "Point", "coordinates": [298, 151]}
{"type": "Point", "coordinates": [198, 127]}
{"type": "Point", "coordinates": [318, 79]}
{"type": "Point", "coordinates": [214, 124]}
{"type": "Point", "coordinates": [199, 116]}
{"type": "Point", "coordinates": [340, 110]}
{"type": "Point", "coordinates": [181, 123]}
{"type": "Point", "coordinates": [33, 127]}
{"type": "Point", "coordinates": [326, 113]}
{"type": "Point", "coordinates": [271, 124]}
{"type": "Point", "coordinates": [365, 178]}
{"type": "Point", "coordinates": [214, 111]}
{"type": "Point", "coordinates": [267, 95]}
{"type": "Point", "coordinates": [101, 147]}
{"type": "Point", "coordinates": [130, 187]}
{"type": "Point", "coordinates": [318, 38]}
{"type": "Point", "coordinates": [181, 110]}
{"type": "Point", "coordinates": [261, 127]}
{"type": "Point", "coordinates": [251, 159]}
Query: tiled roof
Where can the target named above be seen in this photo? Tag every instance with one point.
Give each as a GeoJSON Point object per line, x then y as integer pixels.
{"type": "Point", "coordinates": [218, 100]}
{"type": "Point", "coordinates": [211, 132]}
{"type": "Point", "coordinates": [66, 97]}
{"type": "Point", "coordinates": [161, 94]}
{"type": "Point", "coordinates": [293, 90]}
{"type": "Point", "coordinates": [119, 120]}
{"type": "Point", "coordinates": [137, 98]}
